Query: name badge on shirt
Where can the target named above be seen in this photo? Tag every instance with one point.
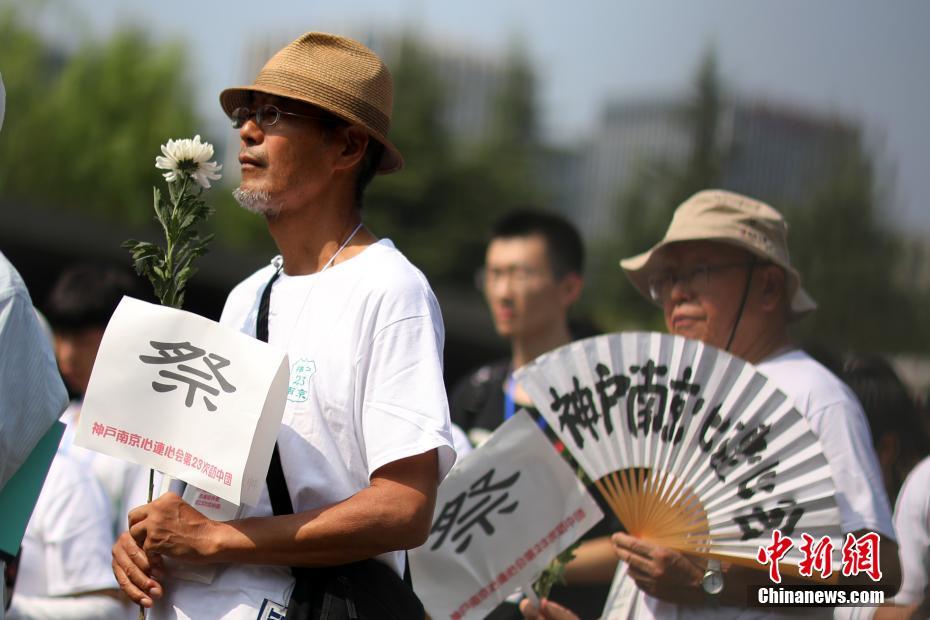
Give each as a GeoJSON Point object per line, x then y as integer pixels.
{"type": "Point", "coordinates": [271, 611]}
{"type": "Point", "coordinates": [298, 391]}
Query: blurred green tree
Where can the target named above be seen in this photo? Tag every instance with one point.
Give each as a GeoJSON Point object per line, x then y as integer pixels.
{"type": "Point", "coordinates": [849, 256]}
{"type": "Point", "coordinates": [644, 207]}
{"type": "Point", "coordinates": [512, 147]}
{"type": "Point", "coordinates": [84, 127]}
{"type": "Point", "coordinates": [504, 165]}
{"type": "Point", "coordinates": [408, 206]}
{"type": "Point", "coordinates": [439, 208]}
{"type": "Point", "coordinates": [95, 118]}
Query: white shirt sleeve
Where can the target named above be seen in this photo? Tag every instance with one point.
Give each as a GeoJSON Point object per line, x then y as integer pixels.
{"type": "Point", "coordinates": [69, 538]}
{"type": "Point", "coordinates": [847, 443]}
{"type": "Point", "coordinates": [32, 395]}
{"type": "Point", "coordinates": [912, 523]}
{"type": "Point", "coordinates": [405, 411]}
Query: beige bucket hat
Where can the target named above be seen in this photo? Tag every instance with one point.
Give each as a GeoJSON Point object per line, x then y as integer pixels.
{"type": "Point", "coordinates": [727, 217]}
{"type": "Point", "coordinates": [333, 73]}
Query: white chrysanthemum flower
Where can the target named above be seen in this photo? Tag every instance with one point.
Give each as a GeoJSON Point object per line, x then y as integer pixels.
{"type": "Point", "coordinates": [188, 158]}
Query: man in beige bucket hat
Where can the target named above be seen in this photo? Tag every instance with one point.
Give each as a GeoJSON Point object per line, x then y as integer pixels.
{"type": "Point", "coordinates": [732, 219]}
{"type": "Point", "coordinates": [722, 275]}
{"type": "Point", "coordinates": [365, 438]}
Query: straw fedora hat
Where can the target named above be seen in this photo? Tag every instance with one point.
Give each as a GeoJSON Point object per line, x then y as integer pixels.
{"type": "Point", "coordinates": [727, 217]}
{"type": "Point", "coordinates": [333, 73]}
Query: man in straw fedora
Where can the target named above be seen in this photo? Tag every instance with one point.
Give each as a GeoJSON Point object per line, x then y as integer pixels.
{"type": "Point", "coordinates": [722, 275]}
{"type": "Point", "coordinates": [365, 438]}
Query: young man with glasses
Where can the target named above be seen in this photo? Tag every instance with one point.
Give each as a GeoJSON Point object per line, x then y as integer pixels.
{"type": "Point", "coordinates": [722, 275]}
{"type": "Point", "coordinates": [365, 437]}
{"type": "Point", "coordinates": [531, 277]}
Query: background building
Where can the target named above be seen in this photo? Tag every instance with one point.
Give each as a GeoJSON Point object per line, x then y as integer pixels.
{"type": "Point", "coordinates": [773, 152]}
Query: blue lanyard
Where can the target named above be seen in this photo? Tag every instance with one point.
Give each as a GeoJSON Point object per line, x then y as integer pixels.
{"type": "Point", "coordinates": [510, 406]}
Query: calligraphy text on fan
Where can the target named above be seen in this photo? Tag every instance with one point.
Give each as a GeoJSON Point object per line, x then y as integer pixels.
{"type": "Point", "coordinates": [656, 404]}
{"type": "Point", "coordinates": [860, 555]}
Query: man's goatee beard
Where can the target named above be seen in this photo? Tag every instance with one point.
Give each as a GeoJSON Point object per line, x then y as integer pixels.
{"type": "Point", "coordinates": [256, 201]}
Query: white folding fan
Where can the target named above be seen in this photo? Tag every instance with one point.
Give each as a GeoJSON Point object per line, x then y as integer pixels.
{"type": "Point", "coordinates": [692, 448]}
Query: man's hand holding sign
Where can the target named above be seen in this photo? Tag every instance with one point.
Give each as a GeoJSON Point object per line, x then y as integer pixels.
{"type": "Point", "coordinates": [176, 392]}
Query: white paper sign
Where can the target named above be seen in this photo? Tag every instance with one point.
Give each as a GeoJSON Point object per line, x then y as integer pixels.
{"type": "Point", "coordinates": [622, 599]}
{"type": "Point", "coordinates": [184, 395]}
{"type": "Point", "coordinates": [502, 515]}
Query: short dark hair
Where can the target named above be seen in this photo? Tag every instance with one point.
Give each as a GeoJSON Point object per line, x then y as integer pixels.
{"type": "Point", "coordinates": [86, 294]}
{"type": "Point", "coordinates": [367, 169]}
{"type": "Point", "coordinates": [889, 409]}
{"type": "Point", "coordinates": [564, 247]}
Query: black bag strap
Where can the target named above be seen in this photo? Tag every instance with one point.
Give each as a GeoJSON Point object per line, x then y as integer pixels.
{"type": "Point", "coordinates": [264, 306]}
{"type": "Point", "coordinates": [277, 486]}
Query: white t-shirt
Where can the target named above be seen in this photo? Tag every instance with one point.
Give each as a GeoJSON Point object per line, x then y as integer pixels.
{"type": "Point", "coordinates": [912, 523]}
{"type": "Point", "coordinates": [66, 548]}
{"type": "Point", "coordinates": [836, 417]}
{"type": "Point", "coordinates": [364, 340]}
{"type": "Point", "coordinates": [125, 484]}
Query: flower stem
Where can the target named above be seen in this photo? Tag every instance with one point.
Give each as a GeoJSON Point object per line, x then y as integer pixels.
{"type": "Point", "coordinates": [177, 216]}
{"type": "Point", "coordinates": [151, 493]}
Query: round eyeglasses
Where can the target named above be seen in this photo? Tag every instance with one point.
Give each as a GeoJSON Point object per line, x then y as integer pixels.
{"type": "Point", "coordinates": [696, 279]}
{"type": "Point", "coordinates": [266, 115]}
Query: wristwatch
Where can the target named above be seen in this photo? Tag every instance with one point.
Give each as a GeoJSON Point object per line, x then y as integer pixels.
{"type": "Point", "coordinates": [712, 581]}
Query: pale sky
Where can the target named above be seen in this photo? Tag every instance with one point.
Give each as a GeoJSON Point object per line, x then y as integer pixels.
{"type": "Point", "coordinates": [862, 59]}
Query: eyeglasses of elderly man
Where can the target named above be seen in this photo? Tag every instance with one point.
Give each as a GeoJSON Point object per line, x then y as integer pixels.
{"type": "Point", "coordinates": [695, 279]}
{"type": "Point", "coordinates": [267, 115]}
